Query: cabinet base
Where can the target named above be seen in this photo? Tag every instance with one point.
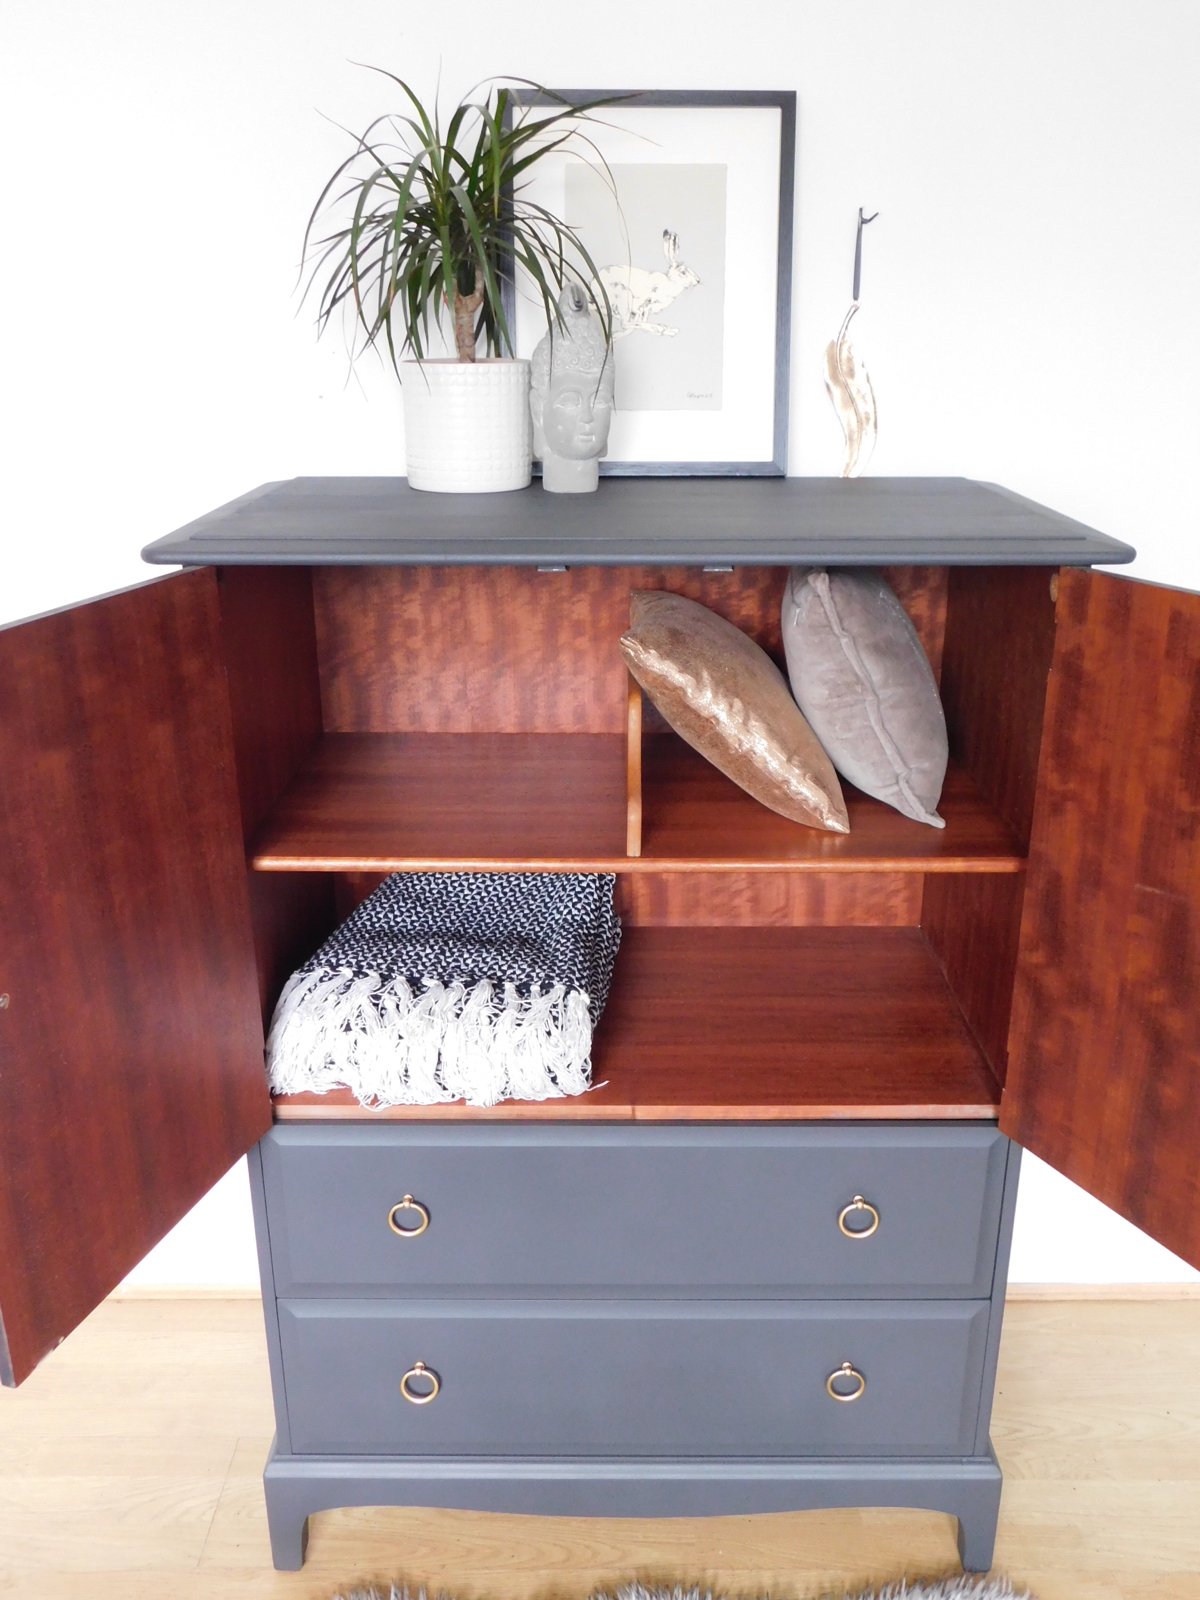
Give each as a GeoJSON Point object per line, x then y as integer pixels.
{"type": "Point", "coordinates": [297, 1486]}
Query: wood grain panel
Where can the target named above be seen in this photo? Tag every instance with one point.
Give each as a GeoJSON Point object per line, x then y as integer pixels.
{"type": "Point", "coordinates": [132, 1044]}
{"type": "Point", "coordinates": [499, 649]}
{"type": "Point", "coordinates": [769, 899]}
{"type": "Point", "coordinates": [999, 643]}
{"type": "Point", "coordinates": [291, 913]}
{"type": "Point", "coordinates": [713, 1023]}
{"type": "Point", "coordinates": [922, 593]}
{"type": "Point", "coordinates": [514, 650]}
{"type": "Point", "coordinates": [1104, 1057]}
{"type": "Point", "coordinates": [269, 647]}
{"type": "Point", "coordinates": [972, 922]}
{"type": "Point", "coordinates": [998, 646]}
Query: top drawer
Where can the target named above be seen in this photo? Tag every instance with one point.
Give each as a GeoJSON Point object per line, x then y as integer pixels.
{"type": "Point", "coordinates": [699, 1210]}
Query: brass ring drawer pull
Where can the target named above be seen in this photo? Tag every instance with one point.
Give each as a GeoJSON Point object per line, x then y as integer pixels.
{"type": "Point", "coordinates": [858, 1204]}
{"type": "Point", "coordinates": [408, 1204]}
{"type": "Point", "coordinates": [852, 1374]}
{"type": "Point", "coordinates": [420, 1370]}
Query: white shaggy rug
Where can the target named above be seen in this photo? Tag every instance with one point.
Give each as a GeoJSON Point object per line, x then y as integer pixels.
{"type": "Point", "coordinates": [966, 1587]}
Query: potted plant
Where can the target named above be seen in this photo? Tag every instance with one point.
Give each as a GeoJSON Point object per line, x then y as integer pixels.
{"type": "Point", "coordinates": [429, 229]}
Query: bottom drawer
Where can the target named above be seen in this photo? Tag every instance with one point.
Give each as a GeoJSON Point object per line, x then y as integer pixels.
{"type": "Point", "coordinates": [633, 1378]}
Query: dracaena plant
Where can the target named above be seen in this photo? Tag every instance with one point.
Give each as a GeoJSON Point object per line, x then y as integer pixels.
{"type": "Point", "coordinates": [423, 219]}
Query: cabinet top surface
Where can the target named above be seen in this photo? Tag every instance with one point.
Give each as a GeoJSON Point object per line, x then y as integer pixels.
{"type": "Point", "coordinates": [656, 521]}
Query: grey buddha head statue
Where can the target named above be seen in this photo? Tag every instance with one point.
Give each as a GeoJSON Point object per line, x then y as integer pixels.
{"type": "Point", "coordinates": [571, 396]}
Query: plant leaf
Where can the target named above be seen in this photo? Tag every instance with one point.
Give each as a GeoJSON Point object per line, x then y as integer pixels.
{"type": "Point", "coordinates": [433, 213]}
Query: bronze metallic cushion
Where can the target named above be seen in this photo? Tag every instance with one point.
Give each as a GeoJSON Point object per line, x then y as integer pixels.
{"type": "Point", "coordinates": [862, 679]}
{"type": "Point", "coordinates": [728, 699]}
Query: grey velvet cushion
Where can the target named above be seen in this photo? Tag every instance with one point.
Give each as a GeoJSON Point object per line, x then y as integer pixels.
{"type": "Point", "coordinates": [861, 677]}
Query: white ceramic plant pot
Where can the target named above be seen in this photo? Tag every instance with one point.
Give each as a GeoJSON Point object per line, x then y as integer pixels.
{"type": "Point", "coordinates": [467, 427]}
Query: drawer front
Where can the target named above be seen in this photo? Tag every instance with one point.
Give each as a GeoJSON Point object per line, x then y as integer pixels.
{"type": "Point", "coordinates": [642, 1378]}
{"type": "Point", "coordinates": [703, 1210]}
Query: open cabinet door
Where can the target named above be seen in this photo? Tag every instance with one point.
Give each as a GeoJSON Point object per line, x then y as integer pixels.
{"type": "Point", "coordinates": [1104, 1047]}
{"type": "Point", "coordinates": [131, 1068]}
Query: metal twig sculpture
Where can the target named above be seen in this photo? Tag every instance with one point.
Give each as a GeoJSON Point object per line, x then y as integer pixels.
{"type": "Point", "coordinates": [847, 380]}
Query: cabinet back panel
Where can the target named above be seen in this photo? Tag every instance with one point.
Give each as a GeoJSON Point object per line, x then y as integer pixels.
{"type": "Point", "coordinates": [770, 899]}
{"type": "Point", "coordinates": [735, 899]}
{"type": "Point", "coordinates": [513, 650]}
{"type": "Point", "coordinates": [922, 592]}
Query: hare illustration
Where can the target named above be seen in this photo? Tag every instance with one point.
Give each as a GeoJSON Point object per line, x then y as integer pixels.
{"type": "Point", "coordinates": [637, 295]}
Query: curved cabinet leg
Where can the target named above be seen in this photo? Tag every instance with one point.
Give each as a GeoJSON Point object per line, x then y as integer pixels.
{"type": "Point", "coordinates": [978, 1513]}
{"type": "Point", "coordinates": [287, 1523]}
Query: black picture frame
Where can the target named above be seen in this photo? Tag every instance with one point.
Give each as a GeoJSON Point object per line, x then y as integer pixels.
{"type": "Point", "coordinates": [772, 342]}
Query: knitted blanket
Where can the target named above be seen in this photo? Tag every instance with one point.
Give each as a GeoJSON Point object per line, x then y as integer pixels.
{"type": "Point", "coordinates": [480, 986]}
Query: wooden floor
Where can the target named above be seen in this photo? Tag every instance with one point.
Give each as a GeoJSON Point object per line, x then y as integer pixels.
{"type": "Point", "coordinates": [129, 1470]}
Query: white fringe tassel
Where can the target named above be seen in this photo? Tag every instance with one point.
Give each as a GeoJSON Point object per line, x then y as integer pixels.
{"type": "Point", "coordinates": [967, 1587]}
{"type": "Point", "coordinates": [393, 1045]}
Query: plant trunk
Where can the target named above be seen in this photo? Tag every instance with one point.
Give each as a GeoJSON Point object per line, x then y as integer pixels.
{"type": "Point", "coordinates": [465, 308]}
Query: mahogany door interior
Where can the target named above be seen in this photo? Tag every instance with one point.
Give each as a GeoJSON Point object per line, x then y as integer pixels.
{"type": "Point", "coordinates": [1104, 1049]}
{"type": "Point", "coordinates": [131, 1038]}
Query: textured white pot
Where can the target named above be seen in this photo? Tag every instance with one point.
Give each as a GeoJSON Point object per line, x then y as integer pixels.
{"type": "Point", "coordinates": [467, 428]}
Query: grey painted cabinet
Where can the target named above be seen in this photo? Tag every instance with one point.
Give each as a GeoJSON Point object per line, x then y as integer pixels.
{"type": "Point", "coordinates": [642, 1309]}
{"type": "Point", "coordinates": [760, 1266]}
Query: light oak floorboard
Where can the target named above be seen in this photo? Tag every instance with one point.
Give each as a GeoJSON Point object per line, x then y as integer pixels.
{"type": "Point", "coordinates": [130, 1470]}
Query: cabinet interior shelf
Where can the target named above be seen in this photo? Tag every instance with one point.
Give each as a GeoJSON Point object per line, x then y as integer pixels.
{"type": "Point", "coordinates": [557, 802]}
{"type": "Point", "coordinates": [744, 1024]}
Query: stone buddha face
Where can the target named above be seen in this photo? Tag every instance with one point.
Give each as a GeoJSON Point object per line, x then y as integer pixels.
{"type": "Point", "coordinates": [571, 395]}
{"type": "Point", "coordinates": [576, 414]}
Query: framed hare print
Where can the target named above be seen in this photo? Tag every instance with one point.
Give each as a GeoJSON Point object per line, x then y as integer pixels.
{"type": "Point", "coordinates": [684, 201]}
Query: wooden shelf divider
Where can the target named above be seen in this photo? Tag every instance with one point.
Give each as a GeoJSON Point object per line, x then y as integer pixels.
{"type": "Point", "coordinates": [633, 769]}
{"type": "Point", "coordinates": [578, 802]}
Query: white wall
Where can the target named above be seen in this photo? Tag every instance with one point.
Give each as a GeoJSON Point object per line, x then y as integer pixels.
{"type": "Point", "coordinates": [1029, 310]}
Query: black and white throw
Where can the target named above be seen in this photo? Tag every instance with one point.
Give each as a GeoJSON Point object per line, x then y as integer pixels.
{"type": "Point", "coordinates": [475, 986]}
